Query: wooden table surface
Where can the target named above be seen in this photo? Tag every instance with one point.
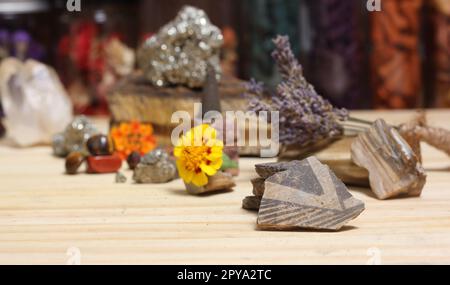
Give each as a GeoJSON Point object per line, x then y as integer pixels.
{"type": "Point", "coordinates": [49, 217]}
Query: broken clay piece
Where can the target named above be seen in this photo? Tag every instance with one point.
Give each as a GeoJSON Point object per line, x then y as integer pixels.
{"type": "Point", "coordinates": [258, 186]}
{"type": "Point", "coordinates": [265, 170]}
{"type": "Point", "coordinates": [268, 169]}
{"type": "Point", "coordinates": [307, 195]}
{"type": "Point", "coordinates": [103, 164]}
{"type": "Point", "coordinates": [218, 182]}
{"type": "Point", "coordinates": [394, 168]}
{"type": "Point", "coordinates": [251, 203]}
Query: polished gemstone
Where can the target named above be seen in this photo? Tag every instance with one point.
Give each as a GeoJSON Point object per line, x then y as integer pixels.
{"type": "Point", "coordinates": [99, 145]}
{"type": "Point", "coordinates": [133, 159]}
{"type": "Point", "coordinates": [103, 164]}
{"type": "Point", "coordinates": [73, 162]}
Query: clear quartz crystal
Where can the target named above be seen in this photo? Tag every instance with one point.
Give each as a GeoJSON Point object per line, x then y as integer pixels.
{"type": "Point", "coordinates": [35, 102]}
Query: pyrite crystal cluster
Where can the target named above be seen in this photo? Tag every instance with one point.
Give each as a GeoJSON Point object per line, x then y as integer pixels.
{"type": "Point", "coordinates": [180, 52]}
{"type": "Point", "coordinates": [305, 116]}
{"type": "Point", "coordinates": [74, 137]}
{"type": "Point", "coordinates": [155, 167]}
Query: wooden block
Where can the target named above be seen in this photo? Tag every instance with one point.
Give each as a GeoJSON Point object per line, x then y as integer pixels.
{"type": "Point", "coordinates": [103, 164]}
{"type": "Point", "coordinates": [307, 195]}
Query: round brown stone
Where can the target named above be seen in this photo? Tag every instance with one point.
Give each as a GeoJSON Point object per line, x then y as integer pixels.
{"type": "Point", "coordinates": [73, 162]}
{"type": "Point", "coordinates": [133, 159]}
{"type": "Point", "coordinates": [99, 145]}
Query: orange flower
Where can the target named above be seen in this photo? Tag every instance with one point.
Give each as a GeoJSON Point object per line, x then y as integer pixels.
{"type": "Point", "coordinates": [132, 136]}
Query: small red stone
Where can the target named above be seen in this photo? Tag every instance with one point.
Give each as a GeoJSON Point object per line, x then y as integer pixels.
{"type": "Point", "coordinates": [103, 164]}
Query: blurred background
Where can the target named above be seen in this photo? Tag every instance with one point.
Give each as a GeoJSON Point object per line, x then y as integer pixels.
{"type": "Point", "coordinates": [395, 59]}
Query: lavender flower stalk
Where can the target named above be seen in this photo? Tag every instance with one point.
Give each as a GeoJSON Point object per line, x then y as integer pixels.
{"type": "Point", "coordinates": [305, 117]}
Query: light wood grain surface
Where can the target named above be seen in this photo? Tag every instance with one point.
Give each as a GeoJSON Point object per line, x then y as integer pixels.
{"type": "Point", "coordinates": [45, 215]}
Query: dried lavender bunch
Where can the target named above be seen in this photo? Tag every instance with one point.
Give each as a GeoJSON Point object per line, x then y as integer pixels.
{"type": "Point", "coordinates": [305, 116]}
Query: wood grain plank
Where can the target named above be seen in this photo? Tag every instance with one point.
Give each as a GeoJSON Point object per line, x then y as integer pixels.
{"type": "Point", "coordinates": [44, 212]}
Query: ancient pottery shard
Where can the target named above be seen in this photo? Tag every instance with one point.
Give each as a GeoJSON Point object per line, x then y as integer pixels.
{"type": "Point", "coordinates": [394, 168]}
{"type": "Point", "coordinates": [306, 196]}
{"type": "Point", "coordinates": [266, 170]}
{"type": "Point", "coordinates": [218, 182]}
{"type": "Point", "coordinates": [258, 186]}
{"type": "Point", "coordinates": [251, 203]}
{"type": "Point", "coordinates": [103, 164]}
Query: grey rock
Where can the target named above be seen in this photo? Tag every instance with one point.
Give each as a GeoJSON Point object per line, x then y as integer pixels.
{"type": "Point", "coordinates": [120, 178]}
{"type": "Point", "coordinates": [59, 146]}
{"type": "Point", "coordinates": [155, 167]}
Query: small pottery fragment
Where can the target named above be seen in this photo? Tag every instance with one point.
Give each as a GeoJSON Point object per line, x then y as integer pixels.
{"type": "Point", "coordinates": [307, 195]}
{"type": "Point", "coordinates": [268, 169]}
{"type": "Point", "coordinates": [394, 169]}
{"type": "Point", "coordinates": [103, 164]}
{"type": "Point", "coordinates": [251, 203]}
{"type": "Point", "coordinates": [73, 162]}
{"type": "Point", "coordinates": [258, 186]}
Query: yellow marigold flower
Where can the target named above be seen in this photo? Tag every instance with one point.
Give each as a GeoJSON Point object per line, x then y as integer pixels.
{"type": "Point", "coordinates": [199, 155]}
{"type": "Point", "coordinates": [132, 136]}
